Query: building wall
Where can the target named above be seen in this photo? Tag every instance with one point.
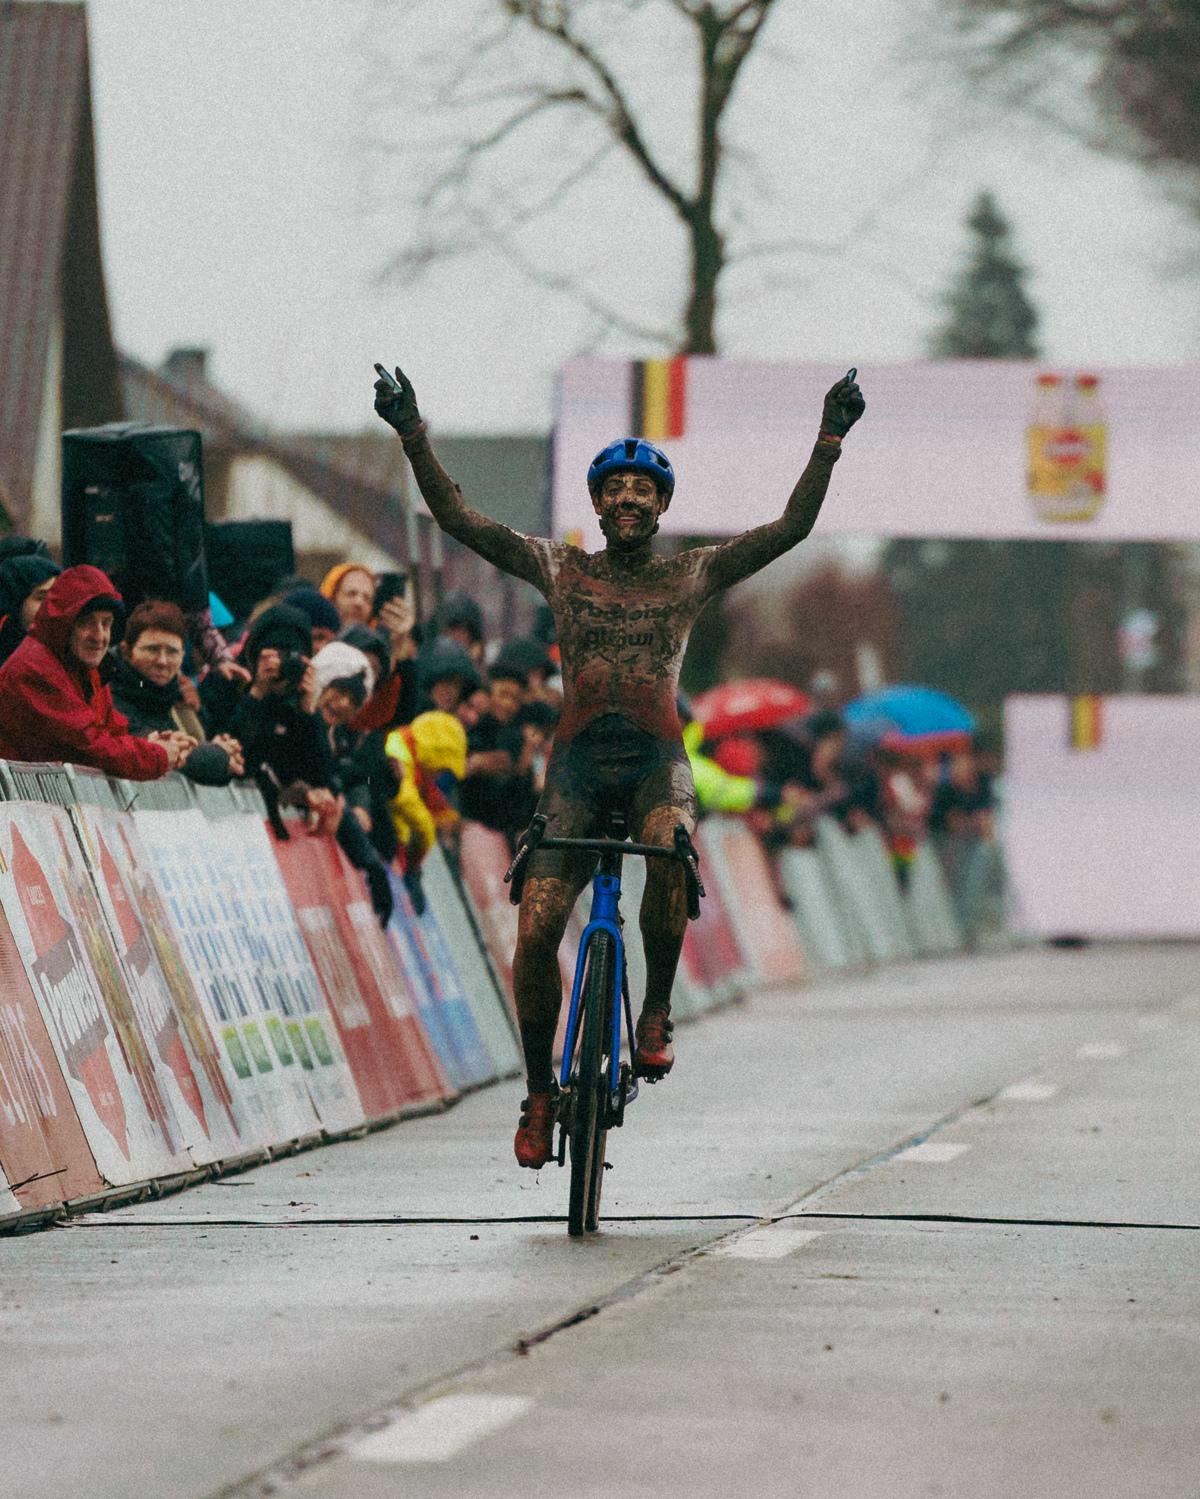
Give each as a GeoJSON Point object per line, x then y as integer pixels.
{"type": "Point", "coordinates": [45, 509]}
{"type": "Point", "coordinates": [257, 488]}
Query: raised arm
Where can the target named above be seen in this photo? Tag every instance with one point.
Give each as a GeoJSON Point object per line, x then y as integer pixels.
{"type": "Point", "coordinates": [745, 554]}
{"type": "Point", "coordinates": [523, 556]}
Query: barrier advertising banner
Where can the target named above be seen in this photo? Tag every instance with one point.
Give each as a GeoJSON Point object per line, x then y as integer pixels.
{"type": "Point", "coordinates": [487, 1003]}
{"type": "Point", "coordinates": [712, 940]}
{"type": "Point", "coordinates": [485, 858]}
{"type": "Point", "coordinates": [43, 1150]}
{"type": "Point", "coordinates": [283, 970]}
{"type": "Point", "coordinates": [986, 448]}
{"type": "Point", "coordinates": [209, 938]}
{"type": "Point", "coordinates": [425, 956]}
{"type": "Point", "coordinates": [167, 1018]}
{"type": "Point", "coordinates": [367, 998]}
{"type": "Point", "coordinates": [1101, 818]}
{"type": "Point", "coordinates": [72, 967]}
{"type": "Point", "coordinates": [740, 862]}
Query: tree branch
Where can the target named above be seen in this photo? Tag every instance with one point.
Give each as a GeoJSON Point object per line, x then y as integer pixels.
{"type": "Point", "coordinates": [550, 18]}
{"type": "Point", "coordinates": [567, 285]}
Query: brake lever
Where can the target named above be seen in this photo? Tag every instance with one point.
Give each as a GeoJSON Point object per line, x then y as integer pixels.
{"type": "Point", "coordinates": [686, 851]}
{"type": "Point", "coordinates": [514, 875]}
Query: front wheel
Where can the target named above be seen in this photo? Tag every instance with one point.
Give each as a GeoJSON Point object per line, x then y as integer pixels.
{"type": "Point", "coordinates": [589, 1101]}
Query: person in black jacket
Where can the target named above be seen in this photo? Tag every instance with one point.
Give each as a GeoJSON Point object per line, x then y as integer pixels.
{"type": "Point", "coordinates": [286, 746]}
{"type": "Point", "coordinates": [276, 723]}
{"type": "Point", "coordinates": [148, 688]}
{"type": "Point", "coordinates": [25, 579]}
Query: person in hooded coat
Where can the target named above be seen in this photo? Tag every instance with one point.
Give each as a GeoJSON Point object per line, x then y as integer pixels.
{"type": "Point", "coordinates": [53, 703]}
{"type": "Point", "coordinates": [25, 579]}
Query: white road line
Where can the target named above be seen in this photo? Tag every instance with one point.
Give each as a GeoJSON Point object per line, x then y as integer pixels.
{"type": "Point", "coordinates": [1101, 1051]}
{"type": "Point", "coordinates": [773, 1243]}
{"type": "Point", "coordinates": [436, 1432]}
{"type": "Point", "coordinates": [931, 1151]}
{"type": "Point", "coordinates": [1029, 1092]}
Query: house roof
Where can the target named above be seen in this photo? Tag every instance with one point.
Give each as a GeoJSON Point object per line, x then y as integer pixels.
{"type": "Point", "coordinates": [505, 476]}
{"type": "Point", "coordinates": [372, 506]}
{"type": "Point", "coordinates": [49, 236]}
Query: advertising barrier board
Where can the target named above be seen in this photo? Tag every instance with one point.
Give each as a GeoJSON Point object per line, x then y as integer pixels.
{"type": "Point", "coordinates": [169, 1020]}
{"type": "Point", "coordinates": [485, 858]}
{"type": "Point", "coordinates": [421, 947]}
{"type": "Point", "coordinates": [42, 1143]}
{"type": "Point", "coordinates": [257, 1060]}
{"type": "Point", "coordinates": [484, 998]}
{"type": "Point", "coordinates": [283, 971]}
{"type": "Point", "coordinates": [73, 969]}
{"type": "Point", "coordinates": [369, 1026]}
{"type": "Point", "coordinates": [766, 928]}
{"type": "Point", "coordinates": [1034, 451]}
{"type": "Point", "coordinates": [1101, 819]}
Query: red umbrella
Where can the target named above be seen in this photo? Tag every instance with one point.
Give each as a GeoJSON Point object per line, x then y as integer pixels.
{"type": "Point", "coordinates": [743, 707]}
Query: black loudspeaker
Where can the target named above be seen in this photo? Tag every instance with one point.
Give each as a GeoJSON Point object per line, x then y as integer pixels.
{"type": "Point", "coordinates": [246, 559]}
{"type": "Point", "coordinates": [133, 505]}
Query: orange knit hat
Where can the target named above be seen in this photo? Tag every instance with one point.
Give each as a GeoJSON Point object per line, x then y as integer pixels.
{"type": "Point", "coordinates": [332, 579]}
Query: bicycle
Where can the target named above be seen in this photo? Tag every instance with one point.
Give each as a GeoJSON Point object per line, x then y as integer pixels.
{"type": "Point", "coordinates": [595, 1085]}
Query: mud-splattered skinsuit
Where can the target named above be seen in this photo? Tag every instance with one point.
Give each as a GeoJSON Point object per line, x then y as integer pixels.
{"type": "Point", "coordinates": [623, 621]}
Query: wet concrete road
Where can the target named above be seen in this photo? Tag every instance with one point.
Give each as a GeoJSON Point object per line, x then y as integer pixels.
{"type": "Point", "coordinates": [981, 1279]}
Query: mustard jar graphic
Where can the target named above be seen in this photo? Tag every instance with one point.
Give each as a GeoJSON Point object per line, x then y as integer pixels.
{"type": "Point", "coordinates": [1067, 448]}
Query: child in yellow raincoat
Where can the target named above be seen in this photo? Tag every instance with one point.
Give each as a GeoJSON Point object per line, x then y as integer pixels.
{"type": "Point", "coordinates": [433, 744]}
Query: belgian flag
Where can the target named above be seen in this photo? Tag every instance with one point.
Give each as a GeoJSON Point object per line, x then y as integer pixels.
{"type": "Point", "coordinates": [658, 407]}
{"type": "Point", "coordinates": [1087, 723]}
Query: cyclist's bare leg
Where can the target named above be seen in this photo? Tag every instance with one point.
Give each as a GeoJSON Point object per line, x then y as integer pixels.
{"type": "Point", "coordinates": [664, 906]}
{"type": "Point", "coordinates": [546, 905]}
{"type": "Point", "coordinates": [663, 922]}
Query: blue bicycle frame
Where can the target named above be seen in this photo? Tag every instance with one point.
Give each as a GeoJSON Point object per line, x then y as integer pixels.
{"type": "Point", "coordinates": [605, 917]}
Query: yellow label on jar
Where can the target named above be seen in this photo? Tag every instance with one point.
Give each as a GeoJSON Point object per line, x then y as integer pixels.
{"type": "Point", "coordinates": [1067, 471]}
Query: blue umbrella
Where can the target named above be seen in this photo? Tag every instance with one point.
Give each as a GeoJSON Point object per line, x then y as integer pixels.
{"type": "Point", "coordinates": [220, 611]}
{"type": "Point", "coordinates": [911, 717]}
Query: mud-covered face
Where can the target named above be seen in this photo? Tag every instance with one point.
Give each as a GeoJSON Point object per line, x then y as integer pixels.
{"type": "Point", "coordinates": [628, 505]}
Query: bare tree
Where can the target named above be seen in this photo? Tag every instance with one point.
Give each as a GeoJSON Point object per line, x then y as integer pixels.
{"type": "Point", "coordinates": [1142, 59]}
{"type": "Point", "coordinates": [532, 108]}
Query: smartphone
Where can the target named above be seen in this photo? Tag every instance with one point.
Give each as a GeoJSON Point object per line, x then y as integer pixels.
{"type": "Point", "coordinates": [390, 586]}
{"type": "Point", "coordinates": [390, 378]}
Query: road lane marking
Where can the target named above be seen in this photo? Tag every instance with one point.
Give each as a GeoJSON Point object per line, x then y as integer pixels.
{"type": "Point", "coordinates": [436, 1432]}
{"type": "Point", "coordinates": [1154, 1023]}
{"type": "Point", "coordinates": [1029, 1092]}
{"type": "Point", "coordinates": [773, 1243]}
{"type": "Point", "coordinates": [1101, 1051]}
{"type": "Point", "coordinates": [931, 1151]}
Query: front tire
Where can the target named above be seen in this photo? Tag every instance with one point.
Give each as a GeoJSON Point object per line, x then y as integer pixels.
{"type": "Point", "coordinates": [589, 1104]}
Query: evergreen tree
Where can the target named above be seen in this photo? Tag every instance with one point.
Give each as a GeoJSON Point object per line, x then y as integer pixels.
{"type": "Point", "coordinates": [988, 314]}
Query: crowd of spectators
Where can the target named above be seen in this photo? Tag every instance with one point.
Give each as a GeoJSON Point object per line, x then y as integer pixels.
{"type": "Point", "coordinates": [785, 779]}
{"type": "Point", "coordinates": [386, 731]}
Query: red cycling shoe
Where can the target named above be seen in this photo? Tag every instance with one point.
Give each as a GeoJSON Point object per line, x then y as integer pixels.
{"type": "Point", "coordinates": [653, 1055]}
{"type": "Point", "coordinates": [534, 1142]}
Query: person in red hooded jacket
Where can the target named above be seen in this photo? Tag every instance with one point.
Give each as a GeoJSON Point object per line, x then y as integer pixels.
{"type": "Point", "coordinates": [53, 704]}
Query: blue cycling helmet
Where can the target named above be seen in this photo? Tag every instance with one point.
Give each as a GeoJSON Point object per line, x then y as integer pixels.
{"type": "Point", "coordinates": [632, 453]}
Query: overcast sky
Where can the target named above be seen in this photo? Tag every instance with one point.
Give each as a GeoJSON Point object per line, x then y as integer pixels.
{"type": "Point", "coordinates": [235, 185]}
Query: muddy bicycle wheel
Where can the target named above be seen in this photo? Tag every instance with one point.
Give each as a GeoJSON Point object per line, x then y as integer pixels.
{"type": "Point", "coordinates": [589, 1103]}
